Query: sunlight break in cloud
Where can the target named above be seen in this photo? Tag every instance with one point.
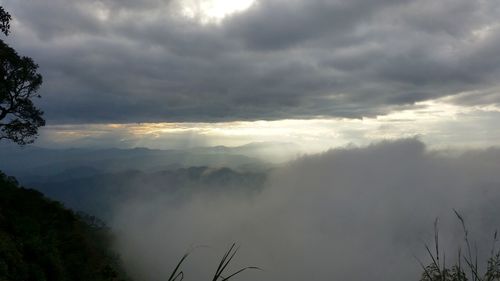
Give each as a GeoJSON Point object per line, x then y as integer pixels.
{"type": "Point", "coordinates": [213, 11]}
{"type": "Point", "coordinates": [438, 123]}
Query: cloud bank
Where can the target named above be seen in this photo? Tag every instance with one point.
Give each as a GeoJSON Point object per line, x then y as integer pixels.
{"type": "Point", "coordinates": [141, 61]}
{"type": "Point", "coordinates": [347, 214]}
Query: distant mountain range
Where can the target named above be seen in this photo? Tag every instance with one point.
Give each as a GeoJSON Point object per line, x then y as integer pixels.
{"type": "Point", "coordinates": [30, 164]}
{"type": "Point", "coordinates": [92, 180]}
{"type": "Point", "coordinates": [97, 193]}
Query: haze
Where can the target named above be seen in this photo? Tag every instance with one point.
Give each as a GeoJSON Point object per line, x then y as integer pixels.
{"type": "Point", "coordinates": [323, 136]}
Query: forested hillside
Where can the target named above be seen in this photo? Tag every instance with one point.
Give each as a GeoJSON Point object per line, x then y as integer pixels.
{"type": "Point", "coordinates": [41, 240]}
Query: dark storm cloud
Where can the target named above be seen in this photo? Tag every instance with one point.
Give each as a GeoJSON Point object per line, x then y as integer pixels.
{"type": "Point", "coordinates": [281, 24]}
{"type": "Point", "coordinates": [136, 61]}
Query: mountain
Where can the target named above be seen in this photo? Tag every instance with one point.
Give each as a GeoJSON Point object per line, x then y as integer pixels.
{"type": "Point", "coordinates": [273, 152]}
{"type": "Point", "coordinates": [42, 240]}
{"type": "Point", "coordinates": [97, 192]}
{"type": "Point", "coordinates": [30, 164]}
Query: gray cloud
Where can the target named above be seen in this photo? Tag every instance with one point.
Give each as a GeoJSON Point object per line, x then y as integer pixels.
{"type": "Point", "coordinates": [137, 61]}
{"type": "Point", "coordinates": [348, 214]}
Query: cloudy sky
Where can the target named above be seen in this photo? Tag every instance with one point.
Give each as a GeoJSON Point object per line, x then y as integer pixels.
{"type": "Point", "coordinates": [319, 73]}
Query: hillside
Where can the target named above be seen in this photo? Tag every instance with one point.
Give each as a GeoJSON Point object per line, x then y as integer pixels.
{"type": "Point", "coordinates": [98, 193]}
{"type": "Point", "coordinates": [41, 240]}
{"type": "Point", "coordinates": [33, 164]}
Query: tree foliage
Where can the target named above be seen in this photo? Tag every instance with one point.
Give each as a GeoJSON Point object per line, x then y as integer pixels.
{"type": "Point", "coordinates": [19, 83]}
{"type": "Point", "coordinates": [4, 21]}
{"type": "Point", "coordinates": [41, 240]}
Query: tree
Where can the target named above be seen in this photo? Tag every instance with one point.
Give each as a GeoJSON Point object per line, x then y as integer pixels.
{"type": "Point", "coordinates": [19, 83]}
{"type": "Point", "coordinates": [4, 21]}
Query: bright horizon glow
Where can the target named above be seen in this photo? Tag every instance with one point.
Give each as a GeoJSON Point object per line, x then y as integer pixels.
{"type": "Point", "coordinates": [438, 123]}
{"type": "Point", "coordinates": [213, 11]}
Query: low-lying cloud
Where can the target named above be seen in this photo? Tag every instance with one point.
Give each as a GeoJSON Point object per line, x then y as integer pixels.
{"type": "Point", "coordinates": [347, 214]}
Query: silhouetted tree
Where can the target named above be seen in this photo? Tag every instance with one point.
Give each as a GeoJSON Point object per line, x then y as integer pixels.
{"type": "Point", "coordinates": [4, 21]}
{"type": "Point", "coordinates": [42, 240]}
{"type": "Point", "coordinates": [19, 83]}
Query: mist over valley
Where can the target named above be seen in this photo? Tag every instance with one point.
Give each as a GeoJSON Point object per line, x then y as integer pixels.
{"type": "Point", "coordinates": [238, 140]}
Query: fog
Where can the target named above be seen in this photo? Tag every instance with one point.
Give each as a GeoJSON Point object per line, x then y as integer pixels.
{"type": "Point", "coordinates": [354, 213]}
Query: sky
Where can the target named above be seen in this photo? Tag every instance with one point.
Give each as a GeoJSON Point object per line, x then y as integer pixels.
{"type": "Point", "coordinates": [319, 73]}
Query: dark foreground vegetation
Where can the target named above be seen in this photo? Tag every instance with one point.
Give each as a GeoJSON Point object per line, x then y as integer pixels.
{"type": "Point", "coordinates": [41, 240]}
{"type": "Point", "coordinates": [466, 267]}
